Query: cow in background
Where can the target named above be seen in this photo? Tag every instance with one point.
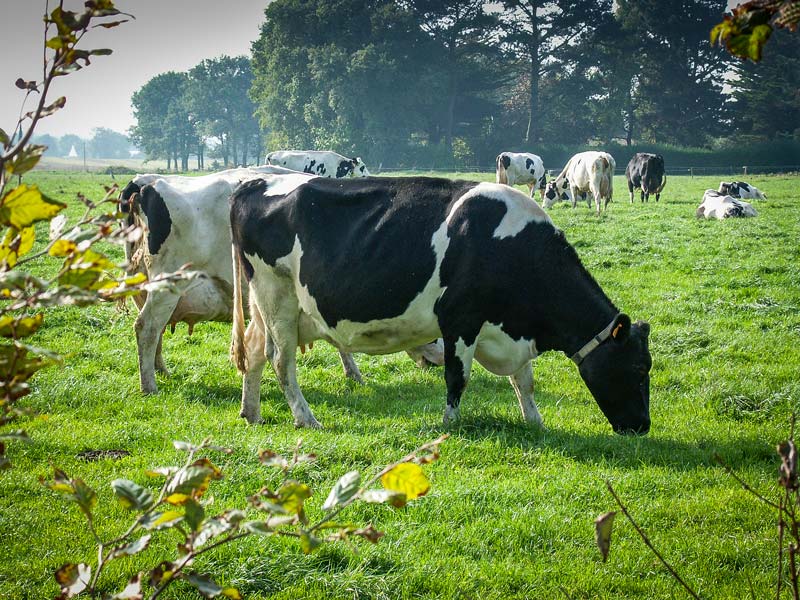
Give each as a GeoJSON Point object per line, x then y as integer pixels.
{"type": "Point", "coordinates": [322, 163]}
{"type": "Point", "coordinates": [590, 171]}
{"type": "Point", "coordinates": [517, 168]}
{"type": "Point", "coordinates": [740, 189]}
{"type": "Point", "coordinates": [722, 206]}
{"type": "Point", "coordinates": [646, 172]}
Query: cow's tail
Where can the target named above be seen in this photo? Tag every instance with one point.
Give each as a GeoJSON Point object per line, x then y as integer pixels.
{"type": "Point", "coordinates": [663, 184]}
{"type": "Point", "coordinates": [607, 179]}
{"type": "Point", "coordinates": [502, 176]}
{"type": "Point", "coordinates": [238, 354]}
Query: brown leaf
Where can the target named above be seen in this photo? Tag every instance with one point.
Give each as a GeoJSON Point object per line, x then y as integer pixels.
{"type": "Point", "coordinates": [788, 454]}
{"type": "Point", "coordinates": [602, 532]}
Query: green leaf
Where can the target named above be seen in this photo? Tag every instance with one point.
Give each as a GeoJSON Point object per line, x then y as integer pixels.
{"type": "Point", "coordinates": [185, 446]}
{"type": "Point", "coordinates": [396, 499]}
{"type": "Point", "coordinates": [133, 548]}
{"type": "Point", "coordinates": [408, 479]}
{"type": "Point", "coordinates": [309, 542]}
{"type": "Point", "coordinates": [758, 38]}
{"type": "Point", "coordinates": [345, 488]}
{"type": "Point", "coordinates": [25, 160]}
{"type": "Point", "coordinates": [191, 482]}
{"type": "Point", "coordinates": [73, 578]}
{"type": "Point", "coordinates": [85, 496]}
{"type": "Point", "coordinates": [291, 497]}
{"type": "Point", "coordinates": [602, 532]}
{"type": "Point", "coordinates": [193, 514]}
{"type": "Point", "coordinates": [23, 206]}
{"type": "Point", "coordinates": [132, 496]}
{"type": "Point", "coordinates": [259, 527]}
{"type": "Point", "coordinates": [4, 139]}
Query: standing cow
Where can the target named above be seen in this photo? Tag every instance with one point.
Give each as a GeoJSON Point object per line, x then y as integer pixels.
{"type": "Point", "coordinates": [323, 163]}
{"type": "Point", "coordinates": [376, 265]}
{"type": "Point", "coordinates": [186, 220]}
{"type": "Point", "coordinates": [740, 189]}
{"type": "Point", "coordinates": [590, 171]}
{"type": "Point", "coordinates": [646, 172]}
{"type": "Point", "coordinates": [516, 168]}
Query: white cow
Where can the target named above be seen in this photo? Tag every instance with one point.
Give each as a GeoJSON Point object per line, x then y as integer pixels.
{"type": "Point", "coordinates": [585, 172]}
{"type": "Point", "coordinates": [722, 206]}
{"type": "Point", "coordinates": [187, 220]}
{"type": "Point", "coordinates": [319, 162]}
{"type": "Point", "coordinates": [516, 168]}
{"type": "Point", "coordinates": [740, 189]}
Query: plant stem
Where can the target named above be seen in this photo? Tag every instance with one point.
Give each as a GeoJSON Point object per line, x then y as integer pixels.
{"type": "Point", "coordinates": [647, 542]}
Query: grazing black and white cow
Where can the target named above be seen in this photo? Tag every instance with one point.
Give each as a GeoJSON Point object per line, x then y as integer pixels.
{"type": "Point", "coordinates": [646, 172]}
{"type": "Point", "coordinates": [722, 206]}
{"type": "Point", "coordinates": [590, 171]}
{"type": "Point", "coordinates": [740, 189]}
{"type": "Point", "coordinates": [187, 220]}
{"type": "Point", "coordinates": [517, 168]}
{"type": "Point", "coordinates": [323, 163]}
{"type": "Point", "coordinates": [379, 264]}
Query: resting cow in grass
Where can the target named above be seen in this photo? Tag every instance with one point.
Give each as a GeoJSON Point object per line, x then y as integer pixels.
{"type": "Point", "coordinates": [722, 206]}
{"type": "Point", "coordinates": [517, 168]}
{"type": "Point", "coordinates": [740, 189]}
{"type": "Point", "coordinates": [379, 264]}
{"type": "Point", "coordinates": [646, 172]}
{"type": "Point", "coordinates": [323, 163]}
{"type": "Point", "coordinates": [187, 220]}
{"type": "Point", "coordinates": [585, 172]}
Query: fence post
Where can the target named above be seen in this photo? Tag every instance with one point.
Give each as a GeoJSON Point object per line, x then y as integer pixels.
{"type": "Point", "coordinates": [691, 172]}
{"type": "Point", "coordinates": [745, 169]}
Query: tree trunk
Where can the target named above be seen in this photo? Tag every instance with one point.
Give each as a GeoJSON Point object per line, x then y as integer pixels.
{"type": "Point", "coordinates": [232, 144]}
{"type": "Point", "coordinates": [244, 151]}
{"type": "Point", "coordinates": [533, 96]}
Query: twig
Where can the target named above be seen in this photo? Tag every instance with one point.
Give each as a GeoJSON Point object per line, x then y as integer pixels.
{"type": "Point", "coordinates": [647, 542]}
{"type": "Point", "coordinates": [744, 484]}
{"type": "Point", "coordinates": [781, 528]}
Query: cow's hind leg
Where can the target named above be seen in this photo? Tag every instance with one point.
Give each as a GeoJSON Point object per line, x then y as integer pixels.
{"type": "Point", "coordinates": [149, 327]}
{"type": "Point", "coordinates": [161, 366]}
{"type": "Point", "coordinates": [522, 382]}
{"type": "Point", "coordinates": [457, 365]}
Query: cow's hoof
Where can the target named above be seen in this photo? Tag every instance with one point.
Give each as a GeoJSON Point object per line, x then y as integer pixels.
{"type": "Point", "coordinates": [149, 390]}
{"type": "Point", "coordinates": [308, 424]}
{"type": "Point", "coordinates": [451, 415]}
{"type": "Point", "coordinates": [356, 378]}
{"type": "Point", "coordinates": [252, 419]}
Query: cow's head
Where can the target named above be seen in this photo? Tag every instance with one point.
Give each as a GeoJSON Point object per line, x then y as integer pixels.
{"type": "Point", "coordinates": [729, 188]}
{"type": "Point", "coordinates": [617, 373]}
{"type": "Point", "coordinates": [557, 190]}
{"type": "Point", "coordinates": [359, 168]}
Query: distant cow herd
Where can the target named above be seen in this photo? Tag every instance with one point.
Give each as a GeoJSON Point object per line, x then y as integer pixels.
{"type": "Point", "coordinates": [310, 247]}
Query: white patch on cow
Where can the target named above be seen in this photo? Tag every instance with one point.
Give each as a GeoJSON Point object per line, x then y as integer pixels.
{"type": "Point", "coordinates": [720, 206]}
{"type": "Point", "coordinates": [501, 354]}
{"type": "Point", "coordinates": [280, 186]}
{"type": "Point", "coordinates": [520, 209]}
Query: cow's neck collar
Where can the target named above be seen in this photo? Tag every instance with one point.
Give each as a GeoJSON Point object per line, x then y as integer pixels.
{"type": "Point", "coordinates": [593, 343]}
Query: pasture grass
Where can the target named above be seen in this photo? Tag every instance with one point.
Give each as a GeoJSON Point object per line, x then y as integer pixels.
{"type": "Point", "coordinates": [511, 510]}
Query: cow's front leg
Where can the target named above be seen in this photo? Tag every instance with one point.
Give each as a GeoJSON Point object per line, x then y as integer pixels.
{"type": "Point", "coordinates": [350, 367]}
{"type": "Point", "coordinates": [257, 346]}
{"type": "Point", "coordinates": [161, 366]}
{"type": "Point", "coordinates": [457, 366]}
{"type": "Point", "coordinates": [149, 327]}
{"type": "Point", "coordinates": [630, 191]}
{"type": "Point", "coordinates": [522, 382]}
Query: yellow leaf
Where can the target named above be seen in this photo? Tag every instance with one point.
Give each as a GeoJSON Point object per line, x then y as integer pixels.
{"type": "Point", "coordinates": [231, 593]}
{"type": "Point", "coordinates": [136, 279]}
{"type": "Point", "coordinates": [166, 517]}
{"type": "Point", "coordinates": [20, 327]}
{"type": "Point", "coordinates": [62, 248]}
{"type": "Point", "coordinates": [15, 244]}
{"type": "Point", "coordinates": [23, 206]}
{"type": "Point", "coordinates": [177, 499]}
{"type": "Point", "coordinates": [407, 478]}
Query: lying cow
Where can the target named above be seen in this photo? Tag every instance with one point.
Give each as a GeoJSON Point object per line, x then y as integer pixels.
{"type": "Point", "coordinates": [740, 189]}
{"type": "Point", "coordinates": [186, 220]}
{"type": "Point", "coordinates": [323, 163]}
{"type": "Point", "coordinates": [517, 168]}
{"type": "Point", "coordinates": [585, 172]}
{"type": "Point", "coordinates": [646, 172]}
{"type": "Point", "coordinates": [722, 206]}
{"type": "Point", "coordinates": [477, 264]}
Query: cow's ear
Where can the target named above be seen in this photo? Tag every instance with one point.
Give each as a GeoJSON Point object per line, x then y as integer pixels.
{"type": "Point", "coordinates": [621, 328]}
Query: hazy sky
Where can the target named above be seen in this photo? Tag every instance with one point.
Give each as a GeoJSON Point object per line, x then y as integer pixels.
{"type": "Point", "coordinates": [166, 35]}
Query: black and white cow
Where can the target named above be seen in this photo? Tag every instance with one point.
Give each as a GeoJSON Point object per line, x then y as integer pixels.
{"type": "Point", "coordinates": [379, 264]}
{"type": "Point", "coordinates": [722, 206]}
{"type": "Point", "coordinates": [518, 168]}
{"type": "Point", "coordinates": [323, 163]}
{"type": "Point", "coordinates": [646, 172]}
{"type": "Point", "coordinates": [590, 171]}
{"type": "Point", "coordinates": [187, 220]}
{"type": "Point", "coordinates": [740, 189]}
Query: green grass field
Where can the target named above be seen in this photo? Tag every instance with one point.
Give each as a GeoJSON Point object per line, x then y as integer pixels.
{"type": "Point", "coordinates": [511, 510]}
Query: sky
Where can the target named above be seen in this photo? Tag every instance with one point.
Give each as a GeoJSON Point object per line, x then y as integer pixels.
{"type": "Point", "coordinates": [167, 35]}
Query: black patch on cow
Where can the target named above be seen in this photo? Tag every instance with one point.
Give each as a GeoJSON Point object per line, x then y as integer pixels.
{"type": "Point", "coordinates": [159, 222]}
{"type": "Point", "coordinates": [529, 165]}
{"type": "Point", "coordinates": [542, 181]}
{"type": "Point", "coordinates": [345, 168]}
{"type": "Point", "coordinates": [125, 201]}
{"type": "Point", "coordinates": [361, 168]}
{"type": "Point", "coordinates": [366, 242]}
{"type": "Point", "coordinates": [309, 168]}
{"type": "Point", "coordinates": [321, 169]}
{"type": "Point", "coordinates": [743, 186]}
{"type": "Point", "coordinates": [453, 373]}
{"type": "Point", "coordinates": [646, 172]}
{"type": "Point", "coordinates": [506, 160]}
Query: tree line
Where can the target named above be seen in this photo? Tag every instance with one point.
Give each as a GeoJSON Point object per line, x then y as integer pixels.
{"type": "Point", "coordinates": [442, 82]}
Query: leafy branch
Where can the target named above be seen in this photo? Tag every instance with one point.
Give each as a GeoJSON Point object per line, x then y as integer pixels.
{"type": "Point", "coordinates": [179, 506]}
